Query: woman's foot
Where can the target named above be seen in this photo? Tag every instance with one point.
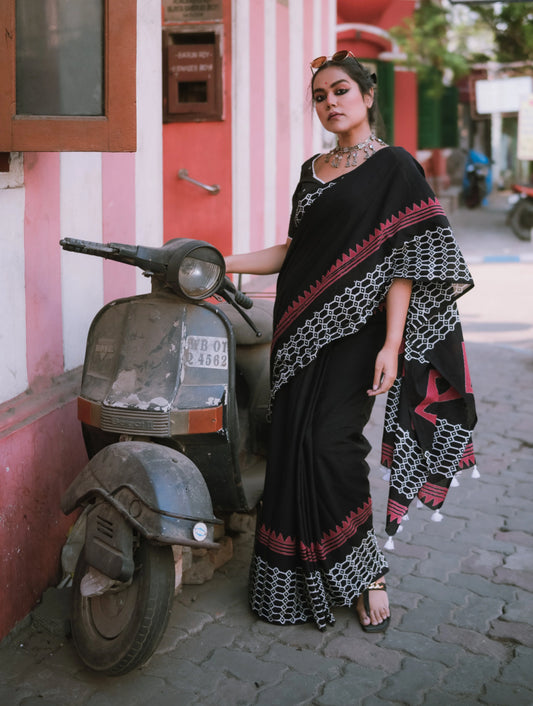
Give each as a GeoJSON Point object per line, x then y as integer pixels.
{"type": "Point", "coordinates": [373, 607]}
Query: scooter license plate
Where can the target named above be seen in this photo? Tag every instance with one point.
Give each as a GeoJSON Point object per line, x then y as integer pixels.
{"type": "Point", "coordinates": [206, 352]}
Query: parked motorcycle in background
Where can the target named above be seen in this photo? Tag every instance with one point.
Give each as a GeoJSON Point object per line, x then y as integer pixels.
{"type": "Point", "coordinates": [173, 406]}
{"type": "Point", "coordinates": [520, 217]}
{"type": "Point", "coordinates": [477, 179]}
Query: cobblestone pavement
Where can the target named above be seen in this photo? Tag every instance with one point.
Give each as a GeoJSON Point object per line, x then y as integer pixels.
{"type": "Point", "coordinates": [461, 589]}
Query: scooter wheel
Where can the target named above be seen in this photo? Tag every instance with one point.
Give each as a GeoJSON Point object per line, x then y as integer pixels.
{"type": "Point", "coordinates": [472, 196]}
{"type": "Point", "coordinates": [521, 219]}
{"type": "Point", "coordinates": [119, 630]}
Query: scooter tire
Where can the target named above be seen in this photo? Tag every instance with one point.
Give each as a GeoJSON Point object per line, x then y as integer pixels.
{"type": "Point", "coordinates": [472, 195]}
{"type": "Point", "coordinates": [521, 219]}
{"type": "Point", "coordinates": [120, 630]}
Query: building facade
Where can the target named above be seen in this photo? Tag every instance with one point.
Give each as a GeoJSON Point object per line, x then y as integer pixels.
{"type": "Point", "coordinates": [251, 144]}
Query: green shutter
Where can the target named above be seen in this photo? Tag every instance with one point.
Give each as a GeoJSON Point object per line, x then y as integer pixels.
{"type": "Point", "coordinates": [437, 117]}
{"type": "Point", "coordinates": [429, 127]}
{"type": "Point", "coordinates": [449, 117]}
{"type": "Point", "coordinates": [385, 72]}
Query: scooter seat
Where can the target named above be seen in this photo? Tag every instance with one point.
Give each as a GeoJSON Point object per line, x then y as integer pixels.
{"type": "Point", "coordinates": [260, 314]}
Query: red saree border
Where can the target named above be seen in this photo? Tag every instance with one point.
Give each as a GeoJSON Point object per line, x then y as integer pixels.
{"type": "Point", "coordinates": [431, 494]}
{"type": "Point", "coordinates": [469, 458]}
{"type": "Point", "coordinates": [395, 511]}
{"type": "Point", "coordinates": [333, 539]}
{"type": "Point", "coordinates": [412, 215]}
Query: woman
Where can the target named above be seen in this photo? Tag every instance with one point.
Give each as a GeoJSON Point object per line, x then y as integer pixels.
{"type": "Point", "coordinates": [367, 278]}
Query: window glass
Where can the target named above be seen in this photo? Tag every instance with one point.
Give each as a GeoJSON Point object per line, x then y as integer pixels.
{"type": "Point", "coordinates": [60, 57]}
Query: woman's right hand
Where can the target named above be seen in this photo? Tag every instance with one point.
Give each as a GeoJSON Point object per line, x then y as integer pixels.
{"type": "Point", "coordinates": [385, 371]}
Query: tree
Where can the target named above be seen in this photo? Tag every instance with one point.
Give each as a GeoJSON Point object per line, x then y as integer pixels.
{"type": "Point", "coordinates": [512, 26]}
{"type": "Point", "coordinates": [441, 41]}
{"type": "Point", "coordinates": [424, 38]}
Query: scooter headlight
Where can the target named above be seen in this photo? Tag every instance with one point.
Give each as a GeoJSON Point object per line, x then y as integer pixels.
{"type": "Point", "coordinates": [196, 269]}
{"type": "Point", "coordinates": [198, 277]}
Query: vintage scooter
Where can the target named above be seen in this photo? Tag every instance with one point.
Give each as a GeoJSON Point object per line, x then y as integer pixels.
{"type": "Point", "coordinates": [520, 216]}
{"type": "Point", "coordinates": [173, 405]}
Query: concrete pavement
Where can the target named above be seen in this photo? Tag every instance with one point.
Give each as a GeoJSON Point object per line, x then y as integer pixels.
{"type": "Point", "coordinates": [498, 310]}
{"type": "Point", "coordinates": [461, 589]}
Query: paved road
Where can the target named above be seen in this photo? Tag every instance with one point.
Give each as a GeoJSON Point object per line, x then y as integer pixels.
{"type": "Point", "coordinates": [461, 589]}
{"type": "Point", "coordinates": [499, 309]}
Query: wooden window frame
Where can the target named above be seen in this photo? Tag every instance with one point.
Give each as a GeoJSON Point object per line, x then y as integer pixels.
{"type": "Point", "coordinates": [115, 131]}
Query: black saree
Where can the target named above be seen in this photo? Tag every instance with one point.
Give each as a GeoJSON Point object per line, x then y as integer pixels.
{"type": "Point", "coordinates": [315, 544]}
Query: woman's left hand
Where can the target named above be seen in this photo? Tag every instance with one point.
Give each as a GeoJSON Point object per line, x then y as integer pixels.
{"type": "Point", "coordinates": [385, 371]}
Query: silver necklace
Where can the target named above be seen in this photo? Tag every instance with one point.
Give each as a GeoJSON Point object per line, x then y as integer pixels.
{"type": "Point", "coordinates": [335, 156]}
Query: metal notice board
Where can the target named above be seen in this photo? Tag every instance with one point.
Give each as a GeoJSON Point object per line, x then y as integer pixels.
{"type": "Point", "coordinates": [192, 10]}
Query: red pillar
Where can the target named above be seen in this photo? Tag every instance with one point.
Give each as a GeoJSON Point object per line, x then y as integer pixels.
{"type": "Point", "coordinates": [406, 110]}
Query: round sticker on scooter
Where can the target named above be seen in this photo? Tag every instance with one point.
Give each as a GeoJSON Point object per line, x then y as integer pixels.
{"type": "Point", "coordinates": [199, 531]}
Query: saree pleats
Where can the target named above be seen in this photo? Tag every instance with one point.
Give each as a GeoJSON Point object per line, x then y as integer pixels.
{"type": "Point", "coordinates": [315, 546]}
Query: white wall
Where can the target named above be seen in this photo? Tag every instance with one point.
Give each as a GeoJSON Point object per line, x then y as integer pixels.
{"type": "Point", "coordinates": [13, 372]}
{"type": "Point", "coordinates": [271, 124]}
{"type": "Point", "coordinates": [82, 278]}
{"type": "Point", "coordinates": [241, 123]}
{"type": "Point", "coordinates": [149, 157]}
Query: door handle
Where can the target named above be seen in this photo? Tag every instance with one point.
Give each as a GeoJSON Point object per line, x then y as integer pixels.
{"type": "Point", "coordinates": [184, 174]}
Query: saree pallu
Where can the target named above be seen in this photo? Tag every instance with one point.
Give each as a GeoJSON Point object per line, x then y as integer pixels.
{"type": "Point", "coordinates": [315, 544]}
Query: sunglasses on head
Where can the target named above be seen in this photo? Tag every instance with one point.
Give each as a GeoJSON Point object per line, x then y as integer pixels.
{"type": "Point", "coordinates": [337, 57]}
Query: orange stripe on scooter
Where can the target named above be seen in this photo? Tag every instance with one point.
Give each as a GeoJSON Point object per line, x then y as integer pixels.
{"type": "Point", "coordinates": [205, 421]}
{"type": "Point", "coordinates": [88, 412]}
{"type": "Point", "coordinates": [194, 421]}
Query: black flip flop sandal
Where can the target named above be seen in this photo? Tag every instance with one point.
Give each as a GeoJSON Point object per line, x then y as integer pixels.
{"type": "Point", "coordinates": [380, 627]}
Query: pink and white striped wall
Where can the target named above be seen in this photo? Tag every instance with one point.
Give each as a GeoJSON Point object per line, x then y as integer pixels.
{"type": "Point", "coordinates": [49, 296]}
{"type": "Point", "coordinates": [273, 128]}
{"type": "Point", "coordinates": [48, 299]}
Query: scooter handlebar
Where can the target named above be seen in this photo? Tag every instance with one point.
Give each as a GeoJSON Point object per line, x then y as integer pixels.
{"type": "Point", "coordinates": [149, 259]}
{"type": "Point", "coordinates": [86, 247]}
{"type": "Point", "coordinates": [240, 298]}
{"type": "Point", "coordinates": [243, 300]}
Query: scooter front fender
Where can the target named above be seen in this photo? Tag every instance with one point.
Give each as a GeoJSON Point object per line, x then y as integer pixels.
{"type": "Point", "coordinates": [158, 490]}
